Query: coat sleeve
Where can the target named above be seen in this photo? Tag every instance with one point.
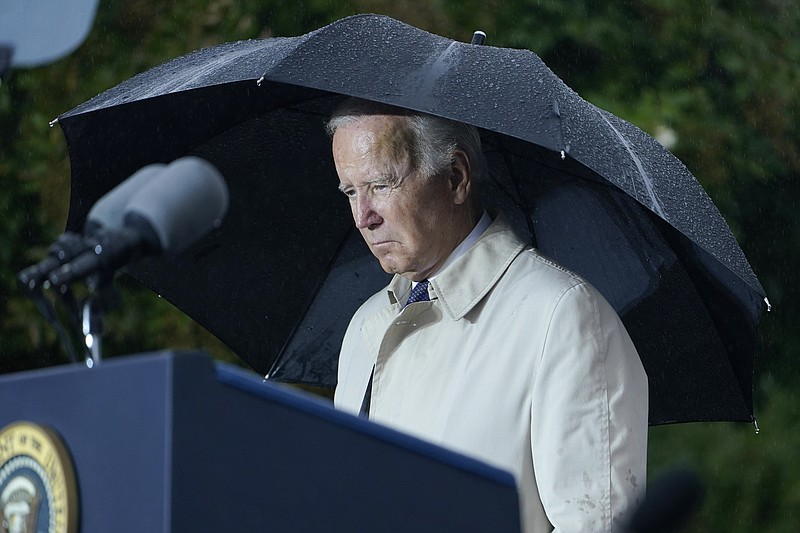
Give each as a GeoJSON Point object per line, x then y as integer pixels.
{"type": "Point", "coordinates": [589, 411]}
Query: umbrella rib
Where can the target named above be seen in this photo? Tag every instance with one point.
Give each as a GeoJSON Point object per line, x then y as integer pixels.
{"type": "Point", "coordinates": [437, 70]}
{"type": "Point", "coordinates": [648, 181]}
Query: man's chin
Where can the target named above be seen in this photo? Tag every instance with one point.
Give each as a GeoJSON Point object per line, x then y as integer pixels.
{"type": "Point", "coordinates": [391, 267]}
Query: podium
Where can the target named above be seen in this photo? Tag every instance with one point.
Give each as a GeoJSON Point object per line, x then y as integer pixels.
{"type": "Point", "coordinates": [173, 442]}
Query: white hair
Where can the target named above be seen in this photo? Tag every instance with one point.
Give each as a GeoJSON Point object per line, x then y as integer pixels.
{"type": "Point", "coordinates": [434, 139]}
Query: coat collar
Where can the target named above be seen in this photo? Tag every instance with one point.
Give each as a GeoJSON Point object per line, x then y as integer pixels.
{"type": "Point", "coordinates": [465, 282]}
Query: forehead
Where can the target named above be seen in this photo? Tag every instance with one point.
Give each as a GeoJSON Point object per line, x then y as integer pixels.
{"type": "Point", "coordinates": [386, 138]}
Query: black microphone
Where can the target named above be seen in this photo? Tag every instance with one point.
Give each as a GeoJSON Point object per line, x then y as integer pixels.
{"type": "Point", "coordinates": [106, 213]}
{"type": "Point", "coordinates": [67, 246]}
{"type": "Point", "coordinates": [669, 504]}
{"type": "Point", "coordinates": [183, 203]}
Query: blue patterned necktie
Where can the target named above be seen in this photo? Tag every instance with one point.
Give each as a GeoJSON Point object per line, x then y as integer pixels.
{"type": "Point", "coordinates": [419, 293]}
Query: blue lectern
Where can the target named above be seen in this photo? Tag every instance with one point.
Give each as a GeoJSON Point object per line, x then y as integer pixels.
{"type": "Point", "coordinates": [172, 442]}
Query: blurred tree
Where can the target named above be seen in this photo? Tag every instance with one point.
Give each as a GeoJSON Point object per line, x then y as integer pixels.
{"type": "Point", "coordinates": [127, 38]}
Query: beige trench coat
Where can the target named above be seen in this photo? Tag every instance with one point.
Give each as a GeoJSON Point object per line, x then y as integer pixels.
{"type": "Point", "coordinates": [519, 363]}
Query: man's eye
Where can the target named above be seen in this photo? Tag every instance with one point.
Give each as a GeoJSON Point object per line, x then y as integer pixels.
{"type": "Point", "coordinates": [381, 187]}
{"type": "Point", "coordinates": [349, 192]}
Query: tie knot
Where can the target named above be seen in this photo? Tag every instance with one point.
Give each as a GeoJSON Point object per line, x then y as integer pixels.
{"type": "Point", "coordinates": [419, 293]}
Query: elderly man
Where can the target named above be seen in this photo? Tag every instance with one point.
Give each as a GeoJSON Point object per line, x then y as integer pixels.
{"type": "Point", "coordinates": [479, 343]}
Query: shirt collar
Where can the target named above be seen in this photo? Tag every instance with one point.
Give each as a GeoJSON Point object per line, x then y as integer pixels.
{"type": "Point", "coordinates": [482, 225]}
{"type": "Point", "coordinates": [472, 272]}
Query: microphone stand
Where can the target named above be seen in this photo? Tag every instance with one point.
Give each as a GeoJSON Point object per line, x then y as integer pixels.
{"type": "Point", "coordinates": [49, 313]}
{"type": "Point", "coordinates": [102, 298]}
{"type": "Point", "coordinates": [92, 327]}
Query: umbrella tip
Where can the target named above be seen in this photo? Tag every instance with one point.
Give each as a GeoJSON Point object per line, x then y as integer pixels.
{"type": "Point", "coordinates": [478, 37]}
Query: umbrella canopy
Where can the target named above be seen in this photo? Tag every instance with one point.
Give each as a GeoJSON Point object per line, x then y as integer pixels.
{"type": "Point", "coordinates": [279, 280]}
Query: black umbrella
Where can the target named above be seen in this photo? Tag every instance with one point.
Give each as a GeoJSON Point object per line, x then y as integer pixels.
{"type": "Point", "coordinates": [280, 279]}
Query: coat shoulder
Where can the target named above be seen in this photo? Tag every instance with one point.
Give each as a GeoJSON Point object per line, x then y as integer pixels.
{"type": "Point", "coordinates": [532, 267]}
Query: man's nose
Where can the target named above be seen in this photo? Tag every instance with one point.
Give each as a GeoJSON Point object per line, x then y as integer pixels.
{"type": "Point", "coordinates": [365, 215]}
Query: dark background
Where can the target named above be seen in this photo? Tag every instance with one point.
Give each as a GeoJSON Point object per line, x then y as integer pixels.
{"type": "Point", "coordinates": [716, 81]}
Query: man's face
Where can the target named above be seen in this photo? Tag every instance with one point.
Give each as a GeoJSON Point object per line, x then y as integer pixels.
{"type": "Point", "coordinates": [408, 221]}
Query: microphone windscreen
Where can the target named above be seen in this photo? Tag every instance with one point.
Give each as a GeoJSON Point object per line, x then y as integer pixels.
{"type": "Point", "coordinates": [107, 212]}
{"type": "Point", "coordinates": [183, 203]}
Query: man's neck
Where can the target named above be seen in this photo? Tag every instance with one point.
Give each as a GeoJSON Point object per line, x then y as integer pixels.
{"type": "Point", "coordinates": [483, 223]}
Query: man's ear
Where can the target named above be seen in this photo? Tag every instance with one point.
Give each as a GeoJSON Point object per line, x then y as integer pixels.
{"type": "Point", "coordinates": [460, 177]}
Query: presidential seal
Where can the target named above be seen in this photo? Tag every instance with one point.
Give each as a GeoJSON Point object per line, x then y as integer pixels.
{"type": "Point", "coordinates": [37, 481]}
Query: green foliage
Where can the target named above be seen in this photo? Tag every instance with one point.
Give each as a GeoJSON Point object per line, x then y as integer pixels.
{"type": "Point", "coordinates": [750, 479]}
{"type": "Point", "coordinates": [720, 76]}
{"type": "Point", "coordinates": [127, 37]}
